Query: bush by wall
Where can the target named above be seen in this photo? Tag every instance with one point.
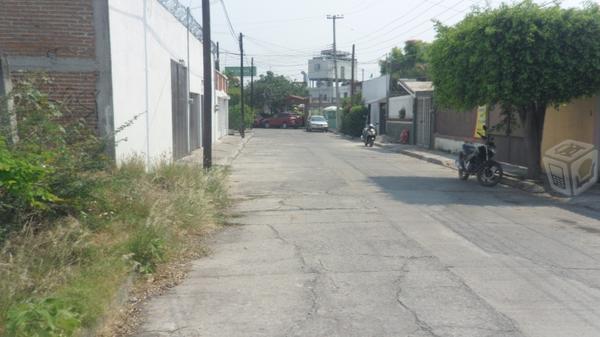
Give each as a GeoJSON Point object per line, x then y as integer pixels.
{"type": "Point", "coordinates": [353, 120]}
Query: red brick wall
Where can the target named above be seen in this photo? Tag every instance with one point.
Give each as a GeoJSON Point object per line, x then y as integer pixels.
{"type": "Point", "coordinates": [75, 91]}
{"type": "Point", "coordinates": [64, 28]}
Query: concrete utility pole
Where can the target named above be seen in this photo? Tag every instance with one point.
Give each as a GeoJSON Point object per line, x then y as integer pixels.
{"type": "Point", "coordinates": [252, 83]}
{"type": "Point", "coordinates": [7, 113]}
{"type": "Point", "coordinates": [218, 61]}
{"type": "Point", "coordinates": [338, 123]}
{"type": "Point", "coordinates": [242, 126]}
{"type": "Point", "coordinates": [208, 105]}
{"type": "Point", "coordinates": [187, 81]}
{"type": "Point", "coordinates": [352, 76]}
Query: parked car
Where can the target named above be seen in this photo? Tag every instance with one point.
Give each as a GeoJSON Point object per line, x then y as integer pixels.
{"type": "Point", "coordinates": [258, 121]}
{"type": "Point", "coordinates": [283, 120]}
{"type": "Point", "coordinates": [300, 120]}
{"type": "Point", "coordinates": [317, 123]}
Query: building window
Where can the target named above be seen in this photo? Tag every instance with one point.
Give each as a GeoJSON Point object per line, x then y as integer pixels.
{"type": "Point", "coordinates": [343, 72]}
{"type": "Point", "coordinates": [345, 95]}
{"type": "Point", "coordinates": [325, 98]}
{"type": "Point", "coordinates": [317, 66]}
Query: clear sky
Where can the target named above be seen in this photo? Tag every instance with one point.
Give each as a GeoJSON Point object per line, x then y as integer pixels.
{"type": "Point", "coordinates": [283, 34]}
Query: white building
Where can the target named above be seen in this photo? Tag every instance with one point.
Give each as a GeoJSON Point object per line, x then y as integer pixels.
{"type": "Point", "coordinates": [119, 63]}
{"type": "Point", "coordinates": [321, 77]}
{"type": "Point", "coordinates": [152, 57]}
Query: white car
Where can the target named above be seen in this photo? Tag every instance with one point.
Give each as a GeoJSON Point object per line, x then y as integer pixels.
{"type": "Point", "coordinates": [317, 123]}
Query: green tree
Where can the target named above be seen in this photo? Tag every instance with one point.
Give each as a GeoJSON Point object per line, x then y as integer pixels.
{"type": "Point", "coordinates": [272, 90]}
{"type": "Point", "coordinates": [523, 57]}
{"type": "Point", "coordinates": [235, 116]}
{"type": "Point", "coordinates": [354, 115]}
{"type": "Point", "coordinates": [410, 62]}
{"type": "Point", "coordinates": [235, 113]}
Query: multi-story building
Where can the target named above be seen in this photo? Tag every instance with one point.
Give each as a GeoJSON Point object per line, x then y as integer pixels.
{"type": "Point", "coordinates": [116, 63]}
{"type": "Point", "coordinates": [321, 77]}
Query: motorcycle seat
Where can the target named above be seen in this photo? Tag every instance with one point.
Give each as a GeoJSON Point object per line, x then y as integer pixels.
{"type": "Point", "coordinates": [468, 148]}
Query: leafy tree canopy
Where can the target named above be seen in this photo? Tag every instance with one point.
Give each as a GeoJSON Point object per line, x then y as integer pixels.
{"type": "Point", "coordinates": [272, 90]}
{"type": "Point", "coordinates": [410, 62]}
{"type": "Point", "coordinates": [523, 57]}
{"type": "Point", "coordinates": [518, 55]}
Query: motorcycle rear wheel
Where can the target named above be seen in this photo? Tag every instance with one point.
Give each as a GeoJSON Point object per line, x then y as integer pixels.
{"type": "Point", "coordinates": [490, 174]}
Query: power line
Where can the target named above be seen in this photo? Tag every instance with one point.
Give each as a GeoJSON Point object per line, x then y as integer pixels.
{"type": "Point", "coordinates": [231, 29]}
{"type": "Point", "coordinates": [375, 46]}
{"type": "Point", "coordinates": [369, 35]}
{"type": "Point", "coordinates": [458, 12]}
{"type": "Point", "coordinates": [262, 43]}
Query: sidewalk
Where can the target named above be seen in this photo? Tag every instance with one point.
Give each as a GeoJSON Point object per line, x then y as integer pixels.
{"type": "Point", "coordinates": [514, 175]}
{"type": "Point", "coordinates": [224, 151]}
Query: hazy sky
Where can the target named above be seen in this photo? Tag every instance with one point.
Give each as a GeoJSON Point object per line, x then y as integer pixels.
{"type": "Point", "coordinates": [283, 34]}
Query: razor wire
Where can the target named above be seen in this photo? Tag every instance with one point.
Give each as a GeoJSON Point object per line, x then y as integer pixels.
{"type": "Point", "coordinates": [180, 12]}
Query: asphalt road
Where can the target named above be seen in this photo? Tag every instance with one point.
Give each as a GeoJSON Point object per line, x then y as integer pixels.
{"type": "Point", "coordinates": [335, 239]}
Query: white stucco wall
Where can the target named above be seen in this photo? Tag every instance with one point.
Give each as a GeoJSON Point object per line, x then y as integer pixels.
{"type": "Point", "coordinates": [330, 92]}
{"type": "Point", "coordinates": [375, 89]}
{"type": "Point", "coordinates": [375, 112]}
{"type": "Point", "coordinates": [448, 144]}
{"type": "Point", "coordinates": [323, 68]}
{"type": "Point", "coordinates": [397, 103]}
{"type": "Point", "coordinates": [221, 116]}
{"type": "Point", "coordinates": [153, 38]}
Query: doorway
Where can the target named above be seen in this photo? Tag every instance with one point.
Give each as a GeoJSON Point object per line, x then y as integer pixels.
{"type": "Point", "coordinates": [179, 101]}
{"type": "Point", "coordinates": [382, 117]}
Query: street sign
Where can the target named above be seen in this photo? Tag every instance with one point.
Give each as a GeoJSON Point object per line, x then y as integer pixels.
{"type": "Point", "coordinates": [236, 71]}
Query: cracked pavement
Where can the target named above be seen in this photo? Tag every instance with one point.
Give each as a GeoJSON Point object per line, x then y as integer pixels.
{"type": "Point", "coordinates": [335, 239]}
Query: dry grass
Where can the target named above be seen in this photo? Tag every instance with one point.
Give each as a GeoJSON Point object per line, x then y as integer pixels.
{"type": "Point", "coordinates": [64, 278]}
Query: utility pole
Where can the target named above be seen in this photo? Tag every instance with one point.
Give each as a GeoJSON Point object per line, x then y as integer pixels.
{"type": "Point", "coordinates": [218, 61]}
{"type": "Point", "coordinates": [338, 123]}
{"type": "Point", "coordinates": [352, 76]}
{"type": "Point", "coordinates": [363, 74]}
{"type": "Point", "coordinates": [208, 105]}
{"type": "Point", "coordinates": [242, 126]}
{"type": "Point", "coordinates": [252, 83]}
{"type": "Point", "coordinates": [187, 81]}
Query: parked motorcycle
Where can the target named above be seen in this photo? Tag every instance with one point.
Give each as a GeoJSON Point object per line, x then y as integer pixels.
{"type": "Point", "coordinates": [477, 160]}
{"type": "Point", "coordinates": [368, 135]}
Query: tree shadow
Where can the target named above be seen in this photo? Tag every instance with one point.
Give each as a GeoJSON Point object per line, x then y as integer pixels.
{"type": "Point", "coordinates": [452, 191]}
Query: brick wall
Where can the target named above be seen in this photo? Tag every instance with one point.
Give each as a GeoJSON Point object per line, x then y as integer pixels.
{"type": "Point", "coordinates": [60, 30]}
{"type": "Point", "coordinates": [63, 28]}
{"type": "Point", "coordinates": [76, 92]}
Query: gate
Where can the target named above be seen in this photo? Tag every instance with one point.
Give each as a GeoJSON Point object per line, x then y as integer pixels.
{"type": "Point", "coordinates": [382, 118]}
{"type": "Point", "coordinates": [424, 121]}
{"type": "Point", "coordinates": [179, 99]}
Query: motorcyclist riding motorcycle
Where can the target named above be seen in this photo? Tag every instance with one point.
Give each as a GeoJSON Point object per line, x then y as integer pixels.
{"type": "Point", "coordinates": [368, 135]}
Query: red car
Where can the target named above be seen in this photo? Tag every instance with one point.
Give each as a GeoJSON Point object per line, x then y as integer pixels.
{"type": "Point", "coordinates": [283, 120]}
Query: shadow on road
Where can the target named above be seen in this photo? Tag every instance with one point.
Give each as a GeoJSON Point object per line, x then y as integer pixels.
{"type": "Point", "coordinates": [448, 191]}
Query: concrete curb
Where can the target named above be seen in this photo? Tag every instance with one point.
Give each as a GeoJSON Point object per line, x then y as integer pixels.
{"type": "Point", "coordinates": [227, 161]}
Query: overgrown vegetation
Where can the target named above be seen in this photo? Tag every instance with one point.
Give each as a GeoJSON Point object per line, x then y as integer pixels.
{"type": "Point", "coordinates": [235, 116]}
{"type": "Point", "coordinates": [523, 57]}
{"type": "Point", "coordinates": [354, 116]}
{"type": "Point", "coordinates": [412, 61]}
{"type": "Point", "coordinates": [74, 227]}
